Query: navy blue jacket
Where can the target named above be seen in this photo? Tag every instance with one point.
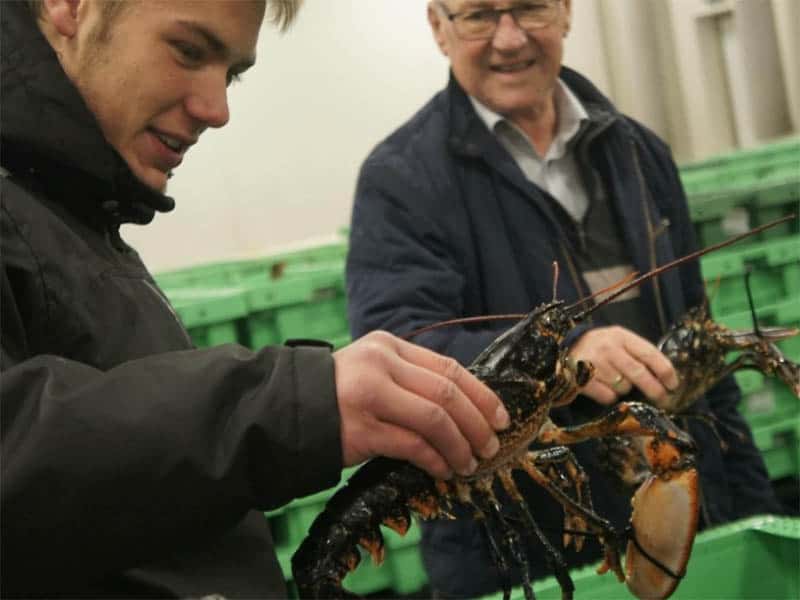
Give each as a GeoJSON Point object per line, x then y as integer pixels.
{"type": "Point", "coordinates": [446, 225]}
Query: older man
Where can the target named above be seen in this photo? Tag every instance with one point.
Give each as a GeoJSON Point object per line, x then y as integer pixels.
{"type": "Point", "coordinates": [520, 162]}
{"type": "Point", "coordinates": [134, 465]}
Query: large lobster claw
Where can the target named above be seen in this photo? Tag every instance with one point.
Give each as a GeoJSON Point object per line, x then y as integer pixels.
{"type": "Point", "coordinates": [663, 524]}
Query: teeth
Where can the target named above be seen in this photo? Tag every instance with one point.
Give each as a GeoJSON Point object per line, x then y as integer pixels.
{"type": "Point", "coordinates": [170, 142]}
{"type": "Point", "coordinates": [514, 67]}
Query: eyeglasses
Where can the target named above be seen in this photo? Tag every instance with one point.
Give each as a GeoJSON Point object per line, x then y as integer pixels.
{"type": "Point", "coordinates": [481, 23]}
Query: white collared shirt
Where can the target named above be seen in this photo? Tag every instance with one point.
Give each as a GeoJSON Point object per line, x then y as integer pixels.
{"type": "Point", "coordinates": [556, 172]}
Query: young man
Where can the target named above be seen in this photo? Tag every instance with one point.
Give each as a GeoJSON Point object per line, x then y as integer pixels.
{"type": "Point", "coordinates": [520, 162]}
{"type": "Point", "coordinates": [134, 465]}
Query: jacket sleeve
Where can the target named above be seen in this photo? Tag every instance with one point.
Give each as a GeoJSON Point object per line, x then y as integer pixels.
{"type": "Point", "coordinates": [105, 470]}
{"type": "Point", "coordinates": [746, 472]}
{"type": "Point", "coordinates": [401, 272]}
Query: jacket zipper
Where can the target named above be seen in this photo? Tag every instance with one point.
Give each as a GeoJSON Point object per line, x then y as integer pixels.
{"type": "Point", "coordinates": [573, 272]}
{"type": "Point", "coordinates": [651, 242]}
{"type": "Point", "coordinates": [583, 154]}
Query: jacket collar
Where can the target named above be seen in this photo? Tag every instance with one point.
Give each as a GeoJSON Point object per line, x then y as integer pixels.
{"type": "Point", "coordinates": [50, 135]}
{"type": "Point", "coordinates": [469, 133]}
{"type": "Point", "coordinates": [471, 139]}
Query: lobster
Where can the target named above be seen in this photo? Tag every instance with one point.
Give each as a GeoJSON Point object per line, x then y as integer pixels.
{"type": "Point", "coordinates": [698, 346]}
{"type": "Point", "coordinates": [527, 366]}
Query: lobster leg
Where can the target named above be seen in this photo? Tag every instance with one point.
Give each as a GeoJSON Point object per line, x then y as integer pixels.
{"type": "Point", "coordinates": [659, 550]}
{"type": "Point", "coordinates": [607, 535]}
{"type": "Point", "coordinates": [625, 419]}
{"type": "Point", "coordinates": [623, 460]}
{"type": "Point", "coordinates": [561, 469]}
{"type": "Point", "coordinates": [553, 556]}
{"type": "Point", "coordinates": [487, 503]}
{"type": "Point", "coordinates": [481, 497]}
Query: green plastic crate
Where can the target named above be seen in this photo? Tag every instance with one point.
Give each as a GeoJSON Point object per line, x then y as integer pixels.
{"type": "Point", "coordinates": [262, 268]}
{"type": "Point", "coordinates": [304, 302]}
{"type": "Point", "coordinates": [263, 298]}
{"type": "Point", "coordinates": [774, 401]}
{"type": "Point", "coordinates": [340, 341]}
{"type": "Point", "coordinates": [212, 316]}
{"type": "Point", "coordinates": [784, 314]}
{"type": "Point", "coordinates": [763, 153]}
{"type": "Point", "coordinates": [720, 215]}
{"type": "Point", "coordinates": [733, 169]}
{"type": "Point", "coordinates": [779, 443]}
{"type": "Point", "coordinates": [775, 274]}
{"type": "Point", "coordinates": [732, 193]}
{"type": "Point", "coordinates": [321, 319]}
{"type": "Point", "coordinates": [753, 559]}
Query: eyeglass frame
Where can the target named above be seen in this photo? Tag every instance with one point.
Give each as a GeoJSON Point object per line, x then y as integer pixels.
{"type": "Point", "coordinates": [497, 12]}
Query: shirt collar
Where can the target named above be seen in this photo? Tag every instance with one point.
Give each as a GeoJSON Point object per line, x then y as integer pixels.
{"type": "Point", "coordinates": [569, 109]}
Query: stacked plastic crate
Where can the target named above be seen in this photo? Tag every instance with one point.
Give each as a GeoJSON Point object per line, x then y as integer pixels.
{"type": "Point", "coordinates": [753, 558]}
{"type": "Point", "coordinates": [730, 194]}
{"type": "Point", "coordinates": [265, 300]}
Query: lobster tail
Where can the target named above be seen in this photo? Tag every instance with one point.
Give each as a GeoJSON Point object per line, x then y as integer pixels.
{"type": "Point", "coordinates": [382, 492]}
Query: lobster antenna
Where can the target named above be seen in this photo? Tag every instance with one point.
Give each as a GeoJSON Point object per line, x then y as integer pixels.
{"type": "Point", "coordinates": [675, 263]}
{"type": "Point", "coordinates": [628, 282]}
{"type": "Point", "coordinates": [748, 272]}
{"type": "Point", "coordinates": [715, 289]}
{"type": "Point", "coordinates": [555, 278]}
{"type": "Point", "coordinates": [461, 321]}
{"type": "Point", "coordinates": [629, 277]}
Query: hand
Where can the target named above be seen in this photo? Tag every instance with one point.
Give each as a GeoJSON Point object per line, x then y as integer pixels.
{"type": "Point", "coordinates": [400, 400]}
{"type": "Point", "coordinates": [623, 360]}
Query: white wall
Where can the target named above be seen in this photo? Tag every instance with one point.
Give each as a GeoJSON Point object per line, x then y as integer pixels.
{"type": "Point", "coordinates": [346, 75]}
{"type": "Point", "coordinates": [302, 121]}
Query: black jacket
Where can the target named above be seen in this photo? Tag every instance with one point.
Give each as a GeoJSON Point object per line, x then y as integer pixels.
{"type": "Point", "coordinates": [446, 225]}
{"type": "Point", "coordinates": [132, 464]}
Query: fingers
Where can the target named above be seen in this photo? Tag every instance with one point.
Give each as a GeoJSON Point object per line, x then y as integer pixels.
{"type": "Point", "coordinates": [484, 399]}
{"type": "Point", "coordinates": [654, 360]}
{"type": "Point", "coordinates": [443, 412]}
{"type": "Point", "coordinates": [599, 392]}
{"type": "Point", "coordinates": [403, 401]}
{"type": "Point", "coordinates": [430, 423]}
{"type": "Point", "coordinates": [624, 360]}
{"type": "Point", "coordinates": [396, 442]}
{"type": "Point", "coordinates": [646, 368]}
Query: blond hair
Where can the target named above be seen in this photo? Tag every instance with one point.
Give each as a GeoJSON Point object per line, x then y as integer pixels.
{"type": "Point", "coordinates": [281, 13]}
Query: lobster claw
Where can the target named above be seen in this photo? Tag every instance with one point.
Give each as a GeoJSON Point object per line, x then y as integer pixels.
{"type": "Point", "coordinates": [762, 353]}
{"type": "Point", "coordinates": [662, 531]}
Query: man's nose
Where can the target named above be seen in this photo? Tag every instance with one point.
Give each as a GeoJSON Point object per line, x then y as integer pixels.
{"type": "Point", "coordinates": [508, 35]}
{"type": "Point", "coordinates": [208, 102]}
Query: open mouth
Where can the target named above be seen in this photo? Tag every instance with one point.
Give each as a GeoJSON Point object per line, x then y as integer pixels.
{"type": "Point", "coordinates": [513, 67]}
{"type": "Point", "coordinates": [170, 142]}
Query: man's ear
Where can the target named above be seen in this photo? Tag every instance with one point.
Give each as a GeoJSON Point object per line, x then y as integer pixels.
{"type": "Point", "coordinates": [437, 27]}
{"type": "Point", "coordinates": [63, 14]}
